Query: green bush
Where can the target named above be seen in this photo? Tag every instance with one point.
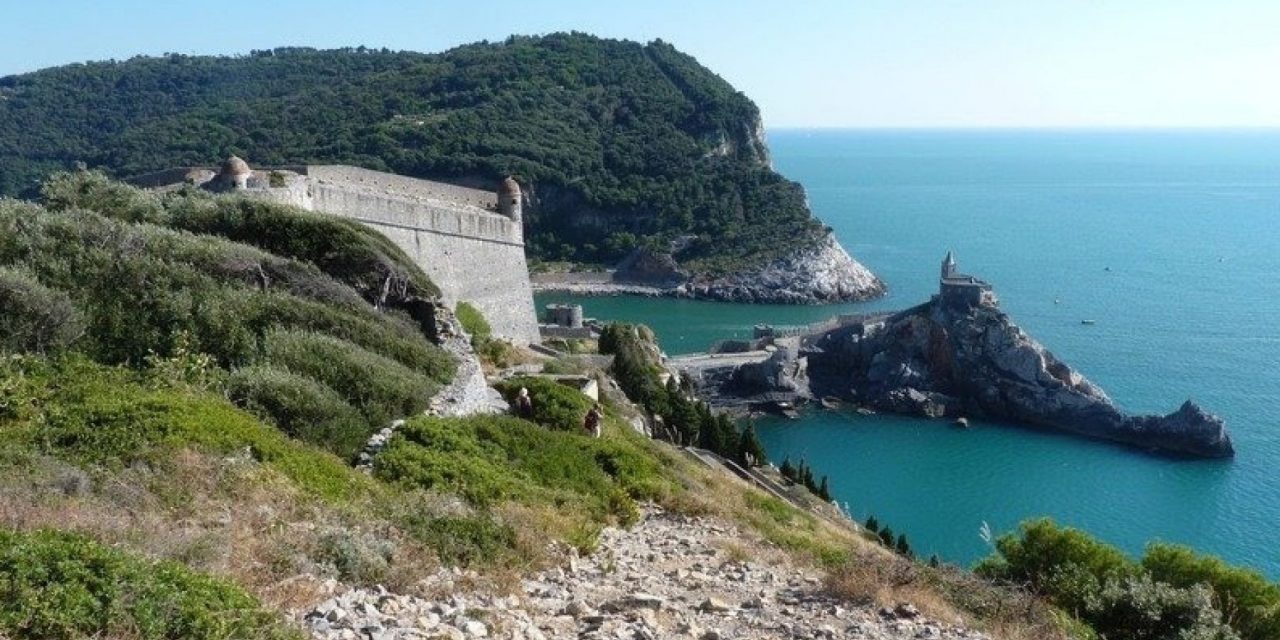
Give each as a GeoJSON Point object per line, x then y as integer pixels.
{"type": "Point", "coordinates": [495, 459]}
{"type": "Point", "coordinates": [381, 388]}
{"type": "Point", "coordinates": [1138, 608]}
{"type": "Point", "coordinates": [35, 318]}
{"type": "Point", "coordinates": [139, 286]}
{"type": "Point", "coordinates": [64, 586]}
{"type": "Point", "coordinates": [67, 190]}
{"type": "Point", "coordinates": [464, 540]}
{"type": "Point", "coordinates": [474, 323]}
{"type": "Point", "coordinates": [1248, 601]}
{"type": "Point", "coordinates": [555, 406]}
{"type": "Point", "coordinates": [91, 414]}
{"type": "Point", "coordinates": [346, 250]}
{"type": "Point", "coordinates": [301, 407]}
{"type": "Point", "coordinates": [1067, 565]}
{"type": "Point", "coordinates": [1174, 593]}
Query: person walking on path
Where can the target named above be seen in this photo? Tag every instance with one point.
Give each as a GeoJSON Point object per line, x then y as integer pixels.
{"type": "Point", "coordinates": [591, 423]}
{"type": "Point", "coordinates": [524, 404]}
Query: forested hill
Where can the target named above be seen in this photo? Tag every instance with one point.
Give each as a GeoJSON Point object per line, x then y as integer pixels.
{"type": "Point", "coordinates": [619, 142]}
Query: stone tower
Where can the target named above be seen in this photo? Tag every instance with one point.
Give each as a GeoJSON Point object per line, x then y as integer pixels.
{"type": "Point", "coordinates": [948, 266]}
{"type": "Point", "coordinates": [235, 173]}
{"type": "Point", "coordinates": [509, 200]}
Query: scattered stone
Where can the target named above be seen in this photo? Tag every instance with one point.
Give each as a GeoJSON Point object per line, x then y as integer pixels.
{"type": "Point", "coordinates": [663, 578]}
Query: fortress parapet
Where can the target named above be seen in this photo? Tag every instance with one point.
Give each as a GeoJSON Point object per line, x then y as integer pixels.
{"type": "Point", "coordinates": [469, 241]}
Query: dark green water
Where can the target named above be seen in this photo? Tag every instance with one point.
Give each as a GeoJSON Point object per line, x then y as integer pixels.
{"type": "Point", "coordinates": [1188, 224]}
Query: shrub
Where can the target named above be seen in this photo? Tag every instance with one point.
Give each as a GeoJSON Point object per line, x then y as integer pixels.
{"type": "Point", "coordinates": [555, 406]}
{"type": "Point", "coordinates": [464, 540]}
{"type": "Point", "coordinates": [35, 318]}
{"type": "Point", "coordinates": [68, 190]}
{"type": "Point", "coordinates": [60, 585]}
{"type": "Point", "coordinates": [1066, 565]}
{"type": "Point", "coordinates": [494, 459]}
{"type": "Point", "coordinates": [381, 388]}
{"type": "Point", "coordinates": [87, 413]}
{"type": "Point", "coordinates": [1248, 601]}
{"type": "Point", "coordinates": [346, 250]}
{"type": "Point", "coordinates": [301, 407]}
{"type": "Point", "coordinates": [474, 323]}
{"type": "Point", "coordinates": [1138, 608]}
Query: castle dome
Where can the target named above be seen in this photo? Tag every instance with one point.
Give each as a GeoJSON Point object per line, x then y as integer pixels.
{"type": "Point", "coordinates": [234, 166]}
{"type": "Point", "coordinates": [510, 186]}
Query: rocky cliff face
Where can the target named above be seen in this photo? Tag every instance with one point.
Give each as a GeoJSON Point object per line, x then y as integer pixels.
{"type": "Point", "coordinates": [936, 360]}
{"type": "Point", "coordinates": [813, 275]}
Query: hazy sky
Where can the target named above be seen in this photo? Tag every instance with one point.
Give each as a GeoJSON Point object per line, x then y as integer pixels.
{"type": "Point", "coordinates": [881, 63]}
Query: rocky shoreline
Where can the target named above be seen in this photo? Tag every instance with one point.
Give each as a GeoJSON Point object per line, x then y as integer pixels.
{"type": "Point", "coordinates": [957, 356]}
{"type": "Point", "coordinates": [939, 360]}
{"type": "Point", "coordinates": [822, 274]}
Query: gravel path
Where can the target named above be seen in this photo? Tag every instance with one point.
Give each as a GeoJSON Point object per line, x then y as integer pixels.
{"type": "Point", "coordinates": [669, 576]}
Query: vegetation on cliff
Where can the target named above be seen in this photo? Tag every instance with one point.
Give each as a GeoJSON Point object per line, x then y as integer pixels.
{"type": "Point", "coordinates": [1172, 592]}
{"type": "Point", "coordinates": [644, 142]}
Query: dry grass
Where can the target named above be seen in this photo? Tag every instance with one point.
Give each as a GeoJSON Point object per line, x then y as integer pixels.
{"type": "Point", "coordinates": [946, 594]}
{"type": "Point", "coordinates": [227, 516]}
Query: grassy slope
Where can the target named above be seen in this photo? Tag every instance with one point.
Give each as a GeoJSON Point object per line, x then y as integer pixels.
{"type": "Point", "coordinates": [645, 136]}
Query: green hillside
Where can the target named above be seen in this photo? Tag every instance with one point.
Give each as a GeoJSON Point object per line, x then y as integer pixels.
{"type": "Point", "coordinates": [620, 143]}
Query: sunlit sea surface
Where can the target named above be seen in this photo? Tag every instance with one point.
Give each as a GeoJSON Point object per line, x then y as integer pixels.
{"type": "Point", "coordinates": [1169, 240]}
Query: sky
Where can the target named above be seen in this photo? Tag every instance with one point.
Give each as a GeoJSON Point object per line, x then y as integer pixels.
{"type": "Point", "coordinates": [853, 63]}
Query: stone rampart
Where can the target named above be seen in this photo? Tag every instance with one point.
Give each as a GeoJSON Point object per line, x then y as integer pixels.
{"type": "Point", "coordinates": [392, 184]}
{"type": "Point", "coordinates": [453, 233]}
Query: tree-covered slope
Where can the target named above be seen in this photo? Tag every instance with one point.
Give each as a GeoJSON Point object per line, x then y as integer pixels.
{"type": "Point", "coordinates": [618, 142]}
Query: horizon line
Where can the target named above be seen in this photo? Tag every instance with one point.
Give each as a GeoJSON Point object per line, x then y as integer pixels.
{"type": "Point", "coordinates": [1033, 127]}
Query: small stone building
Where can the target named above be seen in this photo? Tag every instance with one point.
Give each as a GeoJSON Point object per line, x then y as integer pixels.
{"type": "Point", "coordinates": [961, 290]}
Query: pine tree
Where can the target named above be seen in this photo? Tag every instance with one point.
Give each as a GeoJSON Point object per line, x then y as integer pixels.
{"type": "Point", "coordinates": [809, 482]}
{"type": "Point", "coordinates": [824, 491]}
{"type": "Point", "coordinates": [787, 471]}
{"type": "Point", "coordinates": [886, 537]}
{"type": "Point", "coordinates": [750, 451]}
{"type": "Point", "coordinates": [903, 548]}
{"type": "Point", "coordinates": [872, 525]}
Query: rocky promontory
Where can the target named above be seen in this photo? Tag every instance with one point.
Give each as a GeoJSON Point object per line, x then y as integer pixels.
{"type": "Point", "coordinates": [943, 360]}
{"type": "Point", "coordinates": [818, 274]}
{"type": "Point", "coordinates": [957, 356]}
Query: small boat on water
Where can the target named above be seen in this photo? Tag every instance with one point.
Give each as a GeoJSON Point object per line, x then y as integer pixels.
{"type": "Point", "coordinates": [865, 411]}
{"type": "Point", "coordinates": [961, 422]}
{"type": "Point", "coordinates": [830, 402]}
{"type": "Point", "coordinates": [1088, 322]}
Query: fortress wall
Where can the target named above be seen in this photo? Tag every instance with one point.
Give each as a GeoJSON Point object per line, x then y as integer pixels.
{"type": "Point", "coordinates": [380, 208]}
{"type": "Point", "coordinates": [411, 187]}
{"type": "Point", "coordinates": [451, 232]}
{"type": "Point", "coordinates": [470, 254]}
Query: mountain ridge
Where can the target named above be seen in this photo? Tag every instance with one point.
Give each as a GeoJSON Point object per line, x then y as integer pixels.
{"type": "Point", "coordinates": [620, 145]}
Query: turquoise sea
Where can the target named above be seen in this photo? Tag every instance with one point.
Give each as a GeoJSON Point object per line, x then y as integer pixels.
{"type": "Point", "coordinates": [1170, 240]}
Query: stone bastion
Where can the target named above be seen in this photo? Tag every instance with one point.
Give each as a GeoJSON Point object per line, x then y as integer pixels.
{"type": "Point", "coordinates": [469, 241]}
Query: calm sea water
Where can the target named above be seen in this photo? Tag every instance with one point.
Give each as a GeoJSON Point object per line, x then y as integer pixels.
{"type": "Point", "coordinates": [1169, 240]}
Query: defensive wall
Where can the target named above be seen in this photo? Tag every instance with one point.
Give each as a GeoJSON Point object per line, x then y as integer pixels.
{"type": "Point", "coordinates": [459, 236]}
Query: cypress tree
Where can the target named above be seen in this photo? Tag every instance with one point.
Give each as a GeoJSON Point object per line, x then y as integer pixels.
{"type": "Point", "coordinates": [934, 562]}
{"type": "Point", "coordinates": [872, 525]}
{"type": "Point", "coordinates": [886, 537]}
{"type": "Point", "coordinates": [750, 451]}
{"type": "Point", "coordinates": [787, 471]}
{"type": "Point", "coordinates": [824, 491]}
{"type": "Point", "coordinates": [903, 548]}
